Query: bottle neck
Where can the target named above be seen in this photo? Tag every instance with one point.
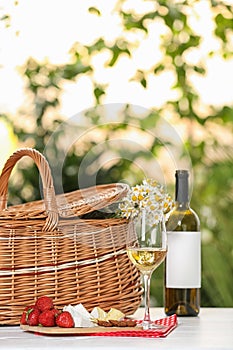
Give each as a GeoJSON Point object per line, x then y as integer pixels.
{"type": "Point", "coordinates": [182, 190]}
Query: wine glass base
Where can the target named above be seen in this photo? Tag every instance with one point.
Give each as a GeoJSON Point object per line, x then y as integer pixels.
{"type": "Point", "coordinates": [151, 325]}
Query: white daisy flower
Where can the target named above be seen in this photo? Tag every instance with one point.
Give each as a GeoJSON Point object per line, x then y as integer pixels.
{"type": "Point", "coordinates": [151, 197]}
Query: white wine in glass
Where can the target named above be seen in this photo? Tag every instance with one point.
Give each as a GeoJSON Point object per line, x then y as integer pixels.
{"type": "Point", "coordinates": [147, 249]}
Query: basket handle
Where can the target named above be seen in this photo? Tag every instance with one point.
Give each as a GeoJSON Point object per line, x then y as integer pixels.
{"type": "Point", "coordinates": [47, 182]}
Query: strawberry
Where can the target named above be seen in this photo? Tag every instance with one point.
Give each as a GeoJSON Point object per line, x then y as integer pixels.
{"type": "Point", "coordinates": [56, 312]}
{"type": "Point", "coordinates": [29, 307]}
{"type": "Point", "coordinates": [47, 318]}
{"type": "Point", "coordinates": [44, 303]}
{"type": "Point", "coordinates": [23, 319]}
{"type": "Point", "coordinates": [65, 320]}
{"type": "Point", "coordinates": [33, 317]}
{"type": "Point", "coordinates": [24, 316]}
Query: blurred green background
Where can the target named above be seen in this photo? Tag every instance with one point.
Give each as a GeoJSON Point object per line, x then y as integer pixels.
{"type": "Point", "coordinates": [205, 129]}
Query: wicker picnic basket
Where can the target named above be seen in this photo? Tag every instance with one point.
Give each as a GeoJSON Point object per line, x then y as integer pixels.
{"type": "Point", "coordinates": [48, 248]}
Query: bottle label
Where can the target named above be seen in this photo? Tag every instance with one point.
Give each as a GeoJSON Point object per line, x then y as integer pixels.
{"type": "Point", "coordinates": [183, 261]}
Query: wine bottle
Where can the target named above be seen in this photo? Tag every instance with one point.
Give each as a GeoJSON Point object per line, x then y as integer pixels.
{"type": "Point", "coordinates": [183, 261]}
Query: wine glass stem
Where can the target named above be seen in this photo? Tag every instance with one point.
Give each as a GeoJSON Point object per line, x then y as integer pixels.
{"type": "Point", "coordinates": [147, 319]}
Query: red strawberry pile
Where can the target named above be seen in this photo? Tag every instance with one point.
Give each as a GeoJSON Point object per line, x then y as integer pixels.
{"type": "Point", "coordinates": [43, 313]}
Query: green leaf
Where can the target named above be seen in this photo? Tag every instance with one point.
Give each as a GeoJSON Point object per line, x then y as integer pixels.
{"type": "Point", "coordinates": [174, 13]}
{"type": "Point", "coordinates": [199, 69]}
{"type": "Point", "coordinates": [118, 49]}
{"type": "Point", "coordinates": [93, 10]}
{"type": "Point", "coordinates": [143, 82]}
{"type": "Point", "coordinates": [131, 21]}
{"type": "Point", "coordinates": [72, 70]}
{"type": "Point", "coordinates": [159, 68]}
{"type": "Point", "coordinates": [97, 46]}
{"type": "Point", "coordinates": [223, 25]}
{"type": "Point", "coordinates": [5, 18]}
{"type": "Point", "coordinates": [149, 122]}
{"type": "Point", "coordinates": [226, 114]}
{"type": "Point", "coordinates": [98, 92]}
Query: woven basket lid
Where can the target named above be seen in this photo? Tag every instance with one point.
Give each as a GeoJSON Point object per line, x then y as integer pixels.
{"type": "Point", "coordinates": [75, 203]}
{"type": "Point", "coordinates": [90, 199]}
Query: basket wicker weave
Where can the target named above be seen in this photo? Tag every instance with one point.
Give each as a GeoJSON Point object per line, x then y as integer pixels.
{"type": "Point", "coordinates": [46, 249]}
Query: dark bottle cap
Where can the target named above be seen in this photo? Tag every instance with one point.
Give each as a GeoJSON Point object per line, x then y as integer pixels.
{"type": "Point", "coordinates": [182, 173]}
{"type": "Point", "coordinates": [182, 186]}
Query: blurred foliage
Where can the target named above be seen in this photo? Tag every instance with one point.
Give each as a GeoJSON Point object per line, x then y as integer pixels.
{"type": "Point", "coordinates": [211, 156]}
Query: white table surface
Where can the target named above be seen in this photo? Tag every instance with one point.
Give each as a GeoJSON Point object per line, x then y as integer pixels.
{"type": "Point", "coordinates": [212, 329]}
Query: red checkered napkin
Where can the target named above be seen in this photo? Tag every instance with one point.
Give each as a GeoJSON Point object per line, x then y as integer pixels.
{"type": "Point", "coordinates": [169, 324]}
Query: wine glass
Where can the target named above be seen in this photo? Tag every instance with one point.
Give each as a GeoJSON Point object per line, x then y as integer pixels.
{"type": "Point", "coordinates": [147, 247]}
